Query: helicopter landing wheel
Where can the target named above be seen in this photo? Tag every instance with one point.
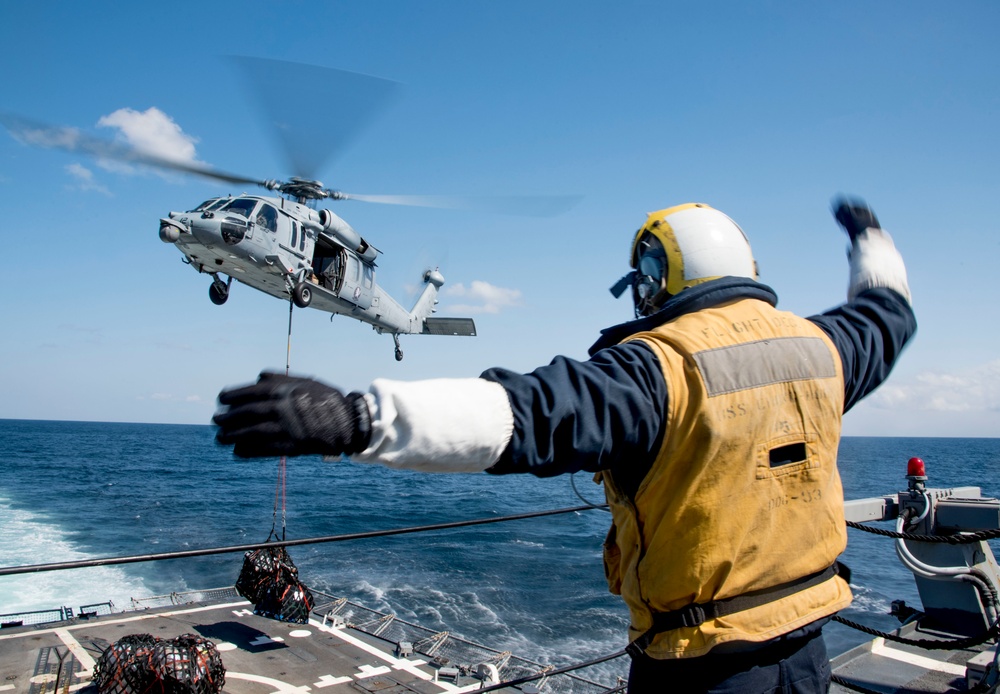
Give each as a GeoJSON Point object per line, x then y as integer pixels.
{"type": "Point", "coordinates": [218, 292]}
{"type": "Point", "coordinates": [399, 351]}
{"type": "Point", "coordinates": [302, 295]}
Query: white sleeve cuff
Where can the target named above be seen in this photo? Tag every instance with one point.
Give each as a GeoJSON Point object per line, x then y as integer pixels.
{"type": "Point", "coordinates": [875, 263]}
{"type": "Point", "coordinates": [438, 425]}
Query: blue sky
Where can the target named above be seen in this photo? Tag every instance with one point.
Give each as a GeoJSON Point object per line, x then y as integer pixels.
{"type": "Point", "coordinates": [764, 110]}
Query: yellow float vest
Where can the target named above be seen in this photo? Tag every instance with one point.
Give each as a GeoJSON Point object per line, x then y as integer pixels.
{"type": "Point", "coordinates": [744, 494]}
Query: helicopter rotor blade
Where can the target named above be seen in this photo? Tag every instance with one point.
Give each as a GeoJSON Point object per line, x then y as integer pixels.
{"type": "Point", "coordinates": [73, 140]}
{"type": "Point", "coordinates": [315, 112]}
{"type": "Point", "coordinates": [519, 205]}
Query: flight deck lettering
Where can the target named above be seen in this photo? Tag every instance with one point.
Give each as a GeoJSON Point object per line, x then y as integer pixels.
{"type": "Point", "coordinates": [750, 325]}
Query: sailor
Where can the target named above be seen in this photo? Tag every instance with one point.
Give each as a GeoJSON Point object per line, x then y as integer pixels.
{"type": "Point", "coordinates": [712, 419]}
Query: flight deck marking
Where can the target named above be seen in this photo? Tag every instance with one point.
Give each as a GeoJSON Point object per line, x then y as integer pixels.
{"type": "Point", "coordinates": [879, 648]}
{"type": "Point", "coordinates": [86, 662]}
{"type": "Point", "coordinates": [279, 686]}
{"type": "Point", "coordinates": [396, 663]}
{"type": "Point", "coordinates": [329, 681]}
{"type": "Point", "coordinates": [266, 640]}
{"type": "Point", "coordinates": [369, 671]}
{"type": "Point", "coordinates": [5, 687]}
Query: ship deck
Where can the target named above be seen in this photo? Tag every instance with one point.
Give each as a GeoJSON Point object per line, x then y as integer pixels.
{"type": "Point", "coordinates": [891, 667]}
{"type": "Point", "coordinates": [332, 654]}
{"type": "Point", "coordinates": [261, 656]}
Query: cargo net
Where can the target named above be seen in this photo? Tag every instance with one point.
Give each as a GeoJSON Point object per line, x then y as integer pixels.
{"type": "Point", "coordinates": [144, 664]}
{"type": "Point", "coordinates": [271, 582]}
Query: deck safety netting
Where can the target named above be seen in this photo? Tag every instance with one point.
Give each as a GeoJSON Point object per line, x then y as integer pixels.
{"type": "Point", "coordinates": [447, 650]}
{"type": "Point", "coordinates": [16, 619]}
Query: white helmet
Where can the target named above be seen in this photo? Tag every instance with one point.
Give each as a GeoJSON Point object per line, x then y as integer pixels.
{"type": "Point", "coordinates": [684, 246]}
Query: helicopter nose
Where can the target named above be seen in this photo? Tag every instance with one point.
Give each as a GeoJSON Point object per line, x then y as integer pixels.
{"type": "Point", "coordinates": [171, 230]}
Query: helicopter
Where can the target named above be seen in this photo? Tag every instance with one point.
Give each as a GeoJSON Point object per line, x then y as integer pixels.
{"type": "Point", "coordinates": [282, 244]}
{"type": "Point", "coordinates": [286, 249]}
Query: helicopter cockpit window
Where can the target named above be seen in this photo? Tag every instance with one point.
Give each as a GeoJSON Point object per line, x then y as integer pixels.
{"type": "Point", "coordinates": [210, 204]}
{"type": "Point", "coordinates": [241, 206]}
{"type": "Point", "coordinates": [267, 218]}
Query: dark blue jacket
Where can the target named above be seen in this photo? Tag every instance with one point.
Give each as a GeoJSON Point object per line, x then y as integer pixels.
{"type": "Point", "coordinates": [608, 413]}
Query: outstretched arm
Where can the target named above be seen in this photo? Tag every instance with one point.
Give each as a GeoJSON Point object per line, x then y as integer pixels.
{"type": "Point", "coordinates": [877, 321]}
{"type": "Point", "coordinates": [568, 416]}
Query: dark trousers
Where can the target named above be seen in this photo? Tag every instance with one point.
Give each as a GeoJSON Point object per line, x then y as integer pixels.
{"type": "Point", "coordinates": [786, 666]}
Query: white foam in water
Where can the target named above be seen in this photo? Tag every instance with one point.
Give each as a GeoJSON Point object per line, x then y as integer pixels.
{"type": "Point", "coordinates": [27, 539]}
{"type": "Point", "coordinates": [866, 600]}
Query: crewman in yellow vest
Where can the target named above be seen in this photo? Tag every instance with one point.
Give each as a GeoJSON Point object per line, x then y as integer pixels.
{"type": "Point", "coordinates": [713, 420]}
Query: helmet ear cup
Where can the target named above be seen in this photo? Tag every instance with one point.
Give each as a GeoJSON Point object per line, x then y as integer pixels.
{"type": "Point", "coordinates": [648, 295]}
{"type": "Point", "coordinates": [649, 288]}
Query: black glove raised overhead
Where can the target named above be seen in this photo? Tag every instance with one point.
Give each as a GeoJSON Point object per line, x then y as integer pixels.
{"type": "Point", "coordinates": [285, 415]}
{"type": "Point", "coordinates": [854, 215]}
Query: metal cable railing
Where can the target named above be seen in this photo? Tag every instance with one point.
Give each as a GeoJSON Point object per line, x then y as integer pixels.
{"type": "Point", "coordinates": [133, 559]}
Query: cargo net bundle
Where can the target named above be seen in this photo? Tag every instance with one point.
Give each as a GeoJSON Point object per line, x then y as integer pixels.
{"type": "Point", "coordinates": [271, 582]}
{"type": "Point", "coordinates": [145, 664]}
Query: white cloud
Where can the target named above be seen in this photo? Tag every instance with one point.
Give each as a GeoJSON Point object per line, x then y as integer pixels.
{"type": "Point", "coordinates": [152, 132]}
{"type": "Point", "coordinates": [84, 178]}
{"type": "Point", "coordinates": [481, 297]}
{"type": "Point", "coordinates": [972, 390]}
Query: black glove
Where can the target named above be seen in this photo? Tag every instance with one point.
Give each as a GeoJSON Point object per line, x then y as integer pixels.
{"type": "Point", "coordinates": [284, 415]}
{"type": "Point", "coordinates": [854, 215]}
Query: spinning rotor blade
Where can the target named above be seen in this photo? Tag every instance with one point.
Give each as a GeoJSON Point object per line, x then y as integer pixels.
{"type": "Point", "coordinates": [72, 140]}
{"type": "Point", "coordinates": [519, 205]}
{"type": "Point", "coordinates": [315, 112]}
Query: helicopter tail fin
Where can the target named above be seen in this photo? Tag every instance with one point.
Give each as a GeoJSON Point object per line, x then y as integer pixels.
{"type": "Point", "coordinates": [425, 307]}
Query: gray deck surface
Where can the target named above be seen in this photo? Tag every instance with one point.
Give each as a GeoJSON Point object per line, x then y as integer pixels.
{"type": "Point", "coordinates": [261, 656]}
{"type": "Point", "coordinates": [897, 668]}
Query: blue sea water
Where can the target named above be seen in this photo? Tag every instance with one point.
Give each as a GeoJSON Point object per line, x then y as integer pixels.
{"type": "Point", "coordinates": [74, 490]}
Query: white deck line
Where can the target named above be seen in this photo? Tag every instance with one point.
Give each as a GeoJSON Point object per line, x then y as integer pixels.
{"type": "Point", "coordinates": [879, 647]}
{"type": "Point", "coordinates": [78, 651]}
{"type": "Point", "coordinates": [395, 663]}
{"type": "Point", "coordinates": [279, 686]}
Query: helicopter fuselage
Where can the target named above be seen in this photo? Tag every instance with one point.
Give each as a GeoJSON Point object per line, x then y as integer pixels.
{"type": "Point", "coordinates": [290, 251]}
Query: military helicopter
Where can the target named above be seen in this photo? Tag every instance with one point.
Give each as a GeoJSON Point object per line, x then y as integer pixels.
{"type": "Point", "coordinates": [282, 245]}
{"type": "Point", "coordinates": [286, 249]}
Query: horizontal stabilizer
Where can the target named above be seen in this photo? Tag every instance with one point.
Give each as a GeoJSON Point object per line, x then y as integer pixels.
{"type": "Point", "coordinates": [449, 326]}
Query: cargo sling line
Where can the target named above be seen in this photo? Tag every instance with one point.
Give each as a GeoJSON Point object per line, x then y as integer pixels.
{"type": "Point", "coordinates": [269, 578]}
{"type": "Point", "coordinates": [279, 487]}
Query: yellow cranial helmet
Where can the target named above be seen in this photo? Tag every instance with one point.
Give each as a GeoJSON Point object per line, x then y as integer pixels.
{"type": "Point", "coordinates": [684, 246]}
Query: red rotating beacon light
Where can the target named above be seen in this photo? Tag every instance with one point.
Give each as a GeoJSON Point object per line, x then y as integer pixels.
{"type": "Point", "coordinates": [916, 472]}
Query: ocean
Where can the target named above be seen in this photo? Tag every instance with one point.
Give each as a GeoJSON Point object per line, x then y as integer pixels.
{"type": "Point", "coordinates": [77, 490]}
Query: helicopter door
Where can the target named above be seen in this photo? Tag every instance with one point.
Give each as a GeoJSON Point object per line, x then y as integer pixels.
{"type": "Point", "coordinates": [359, 280]}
